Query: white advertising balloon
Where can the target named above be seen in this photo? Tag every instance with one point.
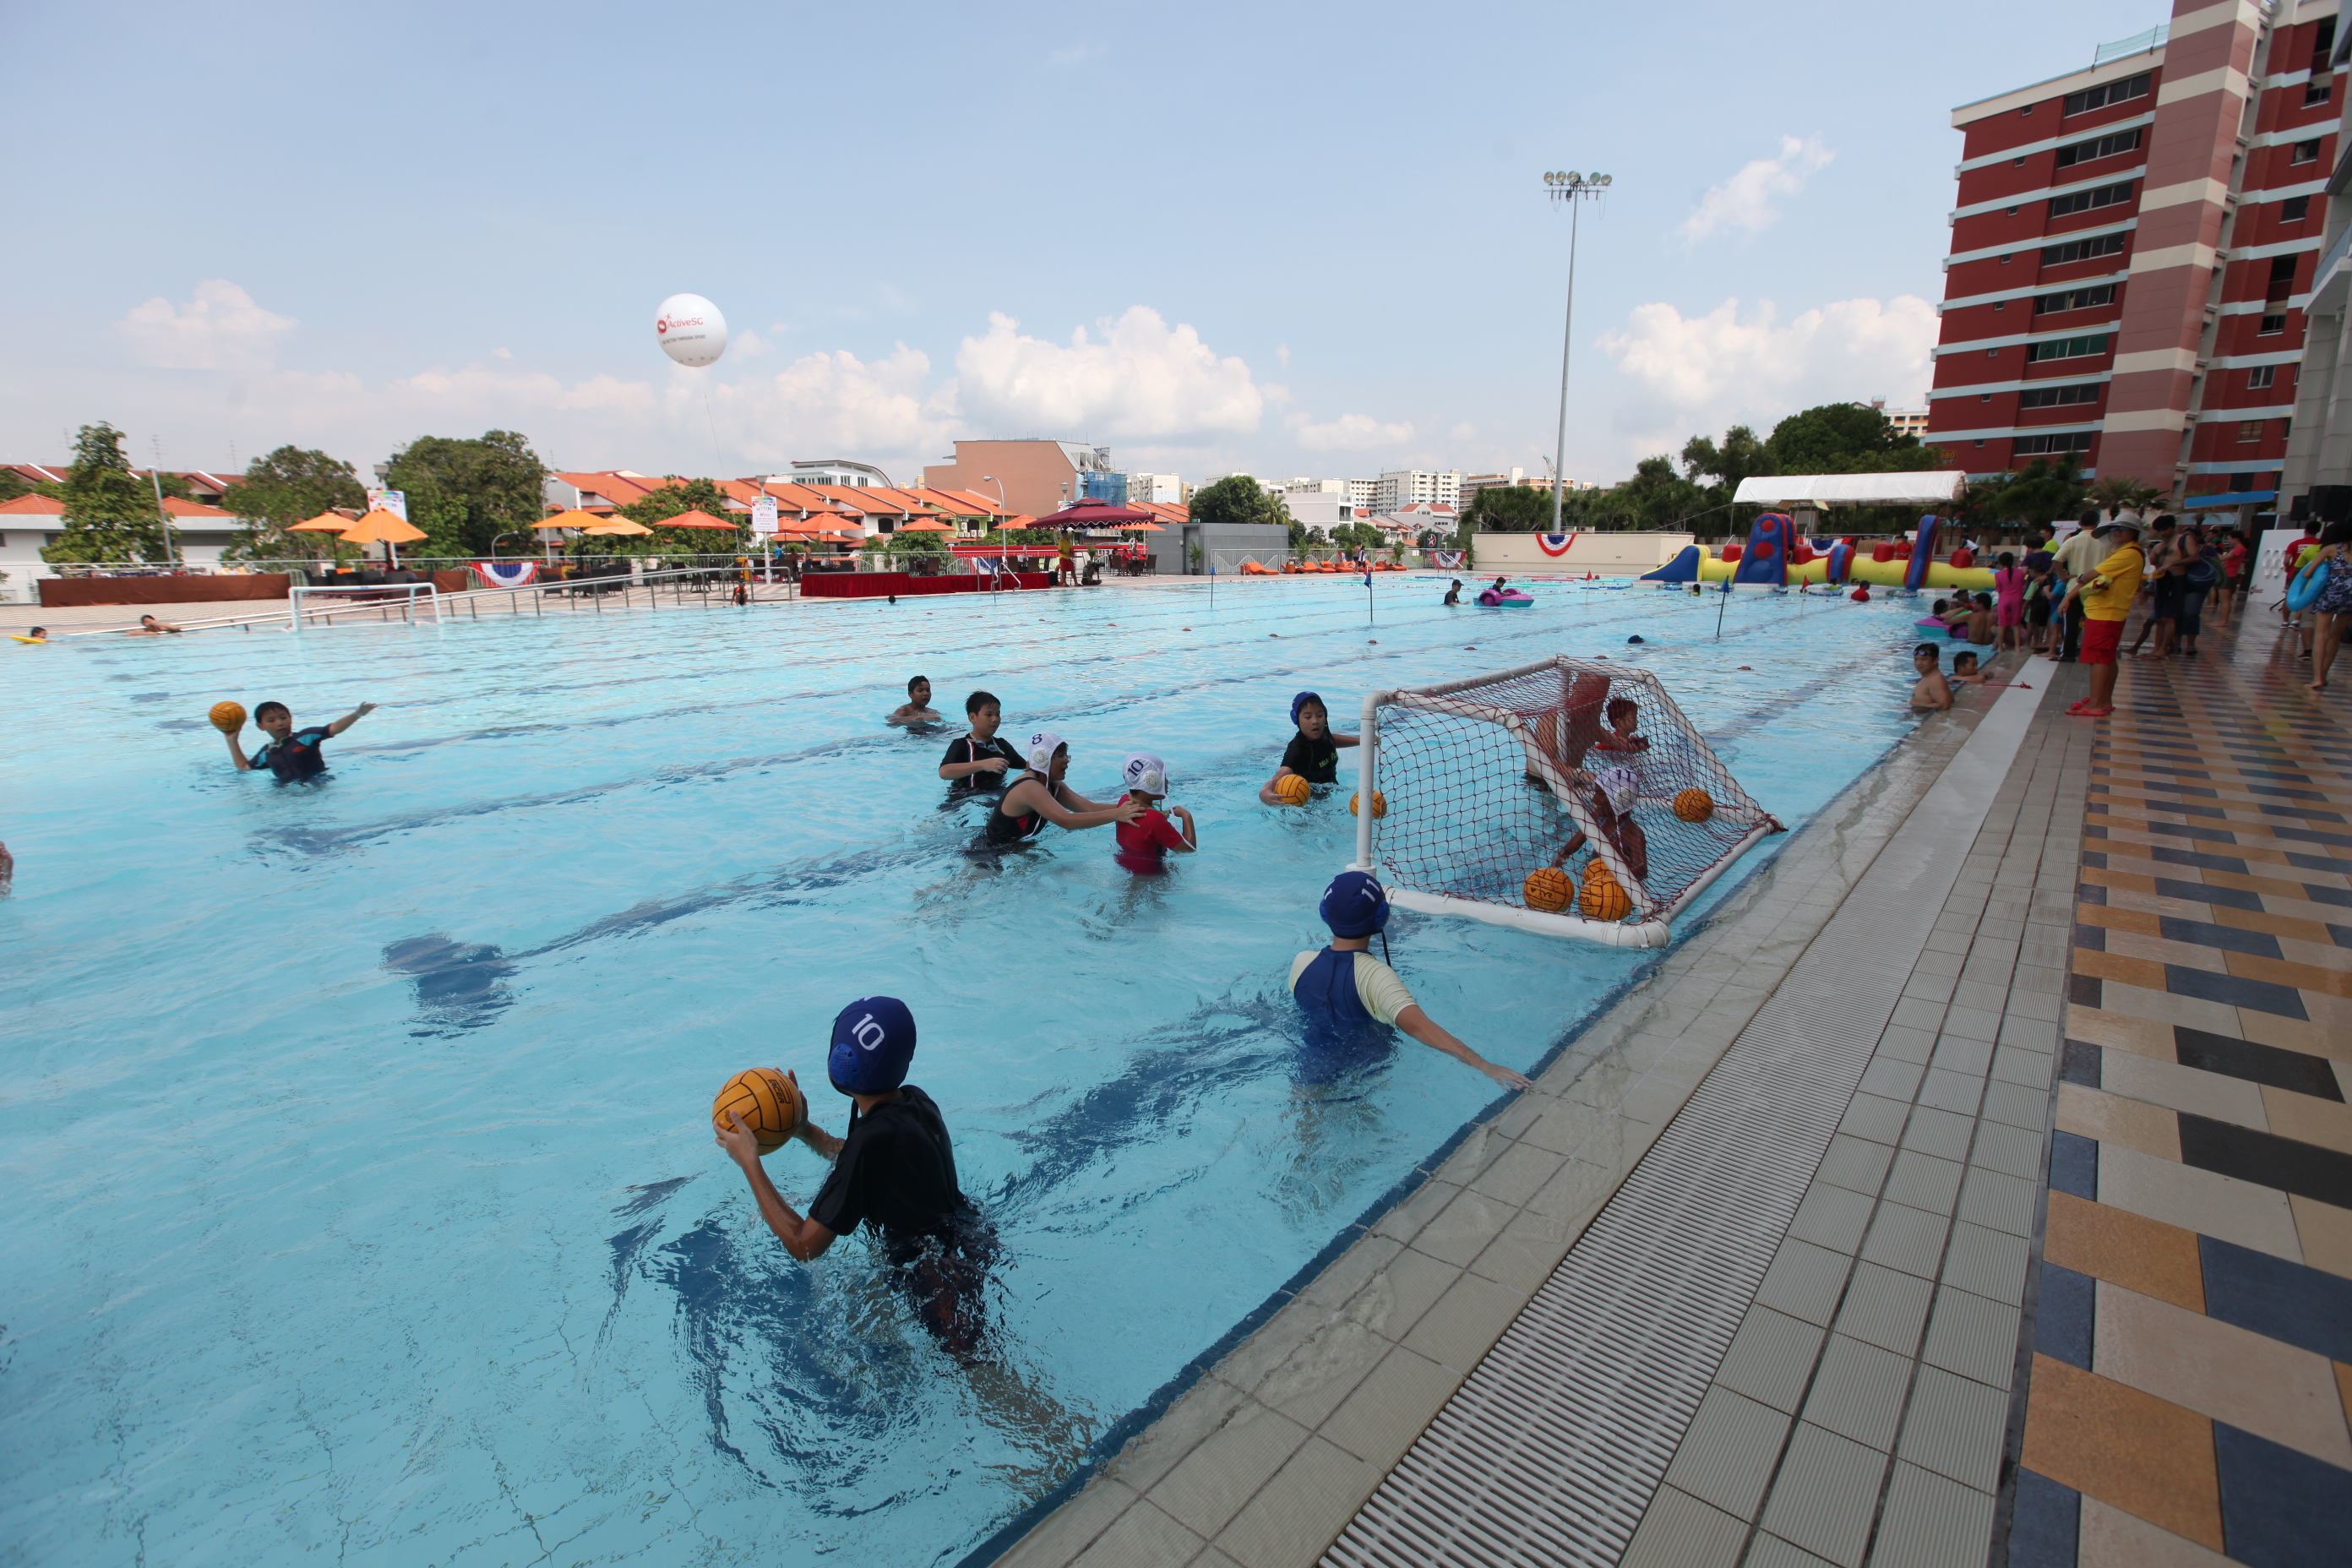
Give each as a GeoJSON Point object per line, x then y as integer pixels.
{"type": "Point", "coordinates": [690, 329]}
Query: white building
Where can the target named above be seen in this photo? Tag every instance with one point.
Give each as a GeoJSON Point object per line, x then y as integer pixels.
{"type": "Point", "coordinates": [834, 471]}
{"type": "Point", "coordinates": [1320, 509]}
{"type": "Point", "coordinates": [1165, 490]}
{"type": "Point", "coordinates": [1402, 488]}
{"type": "Point", "coordinates": [29, 523]}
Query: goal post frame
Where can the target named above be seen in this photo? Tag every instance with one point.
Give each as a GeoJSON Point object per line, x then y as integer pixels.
{"type": "Point", "coordinates": [408, 592]}
{"type": "Point", "coordinates": [1653, 930]}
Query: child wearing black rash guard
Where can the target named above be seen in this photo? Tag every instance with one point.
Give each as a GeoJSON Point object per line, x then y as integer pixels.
{"type": "Point", "coordinates": [981, 759]}
{"type": "Point", "coordinates": [292, 754]}
{"type": "Point", "coordinates": [1313, 753]}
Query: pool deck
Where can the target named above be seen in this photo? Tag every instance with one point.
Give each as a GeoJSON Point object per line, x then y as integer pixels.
{"type": "Point", "coordinates": [1974, 1187]}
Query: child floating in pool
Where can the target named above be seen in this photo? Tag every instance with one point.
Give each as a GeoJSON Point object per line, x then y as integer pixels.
{"type": "Point", "coordinates": [1343, 988]}
{"type": "Point", "coordinates": [292, 754]}
{"type": "Point", "coordinates": [1144, 843]}
{"type": "Point", "coordinates": [1932, 690]}
{"type": "Point", "coordinates": [1610, 795]}
{"type": "Point", "coordinates": [893, 1170]}
{"type": "Point", "coordinates": [1313, 753]}
{"type": "Point", "coordinates": [980, 760]}
{"type": "Point", "coordinates": [916, 709]}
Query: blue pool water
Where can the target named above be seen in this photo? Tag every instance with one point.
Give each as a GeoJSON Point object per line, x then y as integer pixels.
{"type": "Point", "coordinates": [366, 1202]}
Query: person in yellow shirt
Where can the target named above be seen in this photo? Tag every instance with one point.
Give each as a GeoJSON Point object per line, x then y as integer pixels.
{"type": "Point", "coordinates": [2106, 598]}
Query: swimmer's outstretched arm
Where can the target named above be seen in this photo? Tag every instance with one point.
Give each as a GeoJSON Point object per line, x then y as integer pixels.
{"type": "Point", "coordinates": [237, 751]}
{"type": "Point", "coordinates": [1340, 740]}
{"type": "Point", "coordinates": [351, 718]}
{"type": "Point", "coordinates": [1048, 804]}
{"type": "Point", "coordinates": [1428, 1031]}
{"type": "Point", "coordinates": [802, 1236]}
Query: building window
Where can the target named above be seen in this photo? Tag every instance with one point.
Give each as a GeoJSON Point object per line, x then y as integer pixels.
{"type": "Point", "coordinates": [2100, 96]}
{"type": "Point", "coordinates": [1980, 443]}
{"type": "Point", "coordinates": [2057, 441]}
{"type": "Point", "coordinates": [2000, 304]}
{"type": "Point", "coordinates": [2098, 147]}
{"type": "Point", "coordinates": [2270, 325]}
{"type": "Point", "coordinates": [2059, 396]}
{"type": "Point", "coordinates": [2004, 262]}
{"type": "Point", "coordinates": [2314, 92]}
{"type": "Point", "coordinates": [2304, 153]}
{"type": "Point", "coordinates": [2261, 375]}
{"type": "Point", "coordinates": [2068, 348]}
{"type": "Point", "coordinates": [2011, 213]}
{"type": "Point", "coordinates": [2075, 298]}
{"type": "Point", "coordinates": [2083, 201]}
{"type": "Point", "coordinates": [2282, 280]}
{"type": "Point", "coordinates": [2250, 429]}
{"type": "Point", "coordinates": [2017, 163]}
{"type": "Point", "coordinates": [1992, 354]}
{"type": "Point", "coordinates": [2083, 249]}
{"type": "Point", "coordinates": [1984, 397]}
{"type": "Point", "coordinates": [2294, 209]}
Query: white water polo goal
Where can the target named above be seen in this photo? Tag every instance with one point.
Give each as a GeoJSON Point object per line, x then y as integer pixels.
{"type": "Point", "coordinates": [1481, 782]}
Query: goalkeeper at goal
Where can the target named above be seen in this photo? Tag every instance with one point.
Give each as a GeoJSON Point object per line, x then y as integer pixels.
{"type": "Point", "coordinates": [1344, 987]}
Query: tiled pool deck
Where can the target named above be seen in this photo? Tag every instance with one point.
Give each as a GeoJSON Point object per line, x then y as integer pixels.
{"type": "Point", "coordinates": [2064, 1273]}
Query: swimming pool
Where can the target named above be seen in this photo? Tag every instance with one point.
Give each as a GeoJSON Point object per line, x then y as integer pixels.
{"type": "Point", "coordinates": [366, 1197]}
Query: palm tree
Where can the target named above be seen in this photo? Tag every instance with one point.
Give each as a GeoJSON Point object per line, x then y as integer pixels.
{"type": "Point", "coordinates": [2112, 494]}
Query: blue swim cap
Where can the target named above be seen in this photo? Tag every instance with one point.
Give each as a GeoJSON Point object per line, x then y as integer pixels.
{"type": "Point", "coordinates": [1301, 701]}
{"type": "Point", "coordinates": [1355, 905]}
{"type": "Point", "coordinates": [873, 1042]}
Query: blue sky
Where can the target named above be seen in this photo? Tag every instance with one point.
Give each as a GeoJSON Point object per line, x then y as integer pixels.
{"type": "Point", "coordinates": [1297, 240]}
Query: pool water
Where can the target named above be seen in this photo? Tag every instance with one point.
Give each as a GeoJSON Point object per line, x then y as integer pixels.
{"type": "Point", "coordinates": [367, 1203]}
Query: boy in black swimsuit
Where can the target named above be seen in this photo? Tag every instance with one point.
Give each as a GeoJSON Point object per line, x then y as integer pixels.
{"type": "Point", "coordinates": [1313, 753]}
{"type": "Point", "coordinates": [894, 1170]}
{"type": "Point", "coordinates": [979, 760]}
{"type": "Point", "coordinates": [292, 754]}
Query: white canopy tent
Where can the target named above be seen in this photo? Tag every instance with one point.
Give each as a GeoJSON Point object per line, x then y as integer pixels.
{"type": "Point", "coordinates": [1820, 490]}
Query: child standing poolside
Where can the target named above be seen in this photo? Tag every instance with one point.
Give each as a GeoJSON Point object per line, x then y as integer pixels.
{"type": "Point", "coordinates": [2039, 597]}
{"type": "Point", "coordinates": [1144, 843]}
{"type": "Point", "coordinates": [1313, 753]}
{"type": "Point", "coordinates": [2009, 608]}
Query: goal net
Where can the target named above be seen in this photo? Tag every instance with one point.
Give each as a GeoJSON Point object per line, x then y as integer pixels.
{"type": "Point", "coordinates": [387, 599]}
{"type": "Point", "coordinates": [1485, 781]}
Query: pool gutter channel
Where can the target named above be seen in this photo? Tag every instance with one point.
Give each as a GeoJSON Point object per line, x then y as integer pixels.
{"type": "Point", "coordinates": [1606, 1095]}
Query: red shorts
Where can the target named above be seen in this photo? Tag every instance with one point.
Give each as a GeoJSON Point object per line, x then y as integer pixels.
{"type": "Point", "coordinates": [2100, 640]}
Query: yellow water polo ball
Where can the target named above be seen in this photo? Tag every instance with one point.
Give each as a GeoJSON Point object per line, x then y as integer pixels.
{"type": "Point", "coordinates": [1548, 888]}
{"type": "Point", "coordinates": [1291, 790]}
{"type": "Point", "coordinates": [1694, 805]}
{"type": "Point", "coordinates": [1603, 899]}
{"type": "Point", "coordinates": [229, 718]}
{"type": "Point", "coordinates": [769, 1102]}
{"type": "Point", "coordinates": [1379, 804]}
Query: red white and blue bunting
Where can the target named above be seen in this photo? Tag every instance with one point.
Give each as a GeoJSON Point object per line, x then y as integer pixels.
{"type": "Point", "coordinates": [1555, 543]}
{"type": "Point", "coordinates": [507, 574]}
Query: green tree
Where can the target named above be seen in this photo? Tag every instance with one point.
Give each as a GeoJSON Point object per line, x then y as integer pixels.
{"type": "Point", "coordinates": [1846, 439]}
{"type": "Point", "coordinates": [1510, 508]}
{"type": "Point", "coordinates": [1741, 455]}
{"type": "Point", "coordinates": [14, 484]}
{"type": "Point", "coordinates": [465, 493]}
{"type": "Point", "coordinates": [1237, 499]}
{"type": "Point", "coordinates": [110, 510]}
{"type": "Point", "coordinates": [2036, 495]}
{"type": "Point", "coordinates": [290, 485]}
{"type": "Point", "coordinates": [678, 496]}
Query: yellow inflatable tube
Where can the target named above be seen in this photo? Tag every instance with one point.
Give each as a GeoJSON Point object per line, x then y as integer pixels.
{"type": "Point", "coordinates": [1878, 573]}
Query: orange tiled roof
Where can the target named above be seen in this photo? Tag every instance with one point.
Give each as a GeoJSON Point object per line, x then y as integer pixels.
{"type": "Point", "coordinates": [33, 506]}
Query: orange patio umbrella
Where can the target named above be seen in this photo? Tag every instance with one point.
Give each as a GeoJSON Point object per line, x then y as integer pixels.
{"type": "Point", "coordinates": [926, 525]}
{"type": "Point", "coordinates": [325, 522]}
{"type": "Point", "coordinates": [575, 518]}
{"type": "Point", "coordinates": [616, 527]}
{"type": "Point", "coordinates": [698, 519]}
{"type": "Point", "coordinates": [381, 527]}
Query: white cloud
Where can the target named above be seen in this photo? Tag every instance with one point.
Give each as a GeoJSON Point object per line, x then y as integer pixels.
{"type": "Point", "coordinates": [825, 406]}
{"type": "Point", "coordinates": [1703, 373]}
{"type": "Point", "coordinates": [1349, 433]}
{"type": "Point", "coordinates": [1745, 200]}
{"type": "Point", "coordinates": [1144, 378]}
{"type": "Point", "coordinates": [220, 329]}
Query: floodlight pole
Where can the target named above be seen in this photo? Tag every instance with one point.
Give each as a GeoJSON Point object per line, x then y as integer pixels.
{"type": "Point", "coordinates": [1570, 188]}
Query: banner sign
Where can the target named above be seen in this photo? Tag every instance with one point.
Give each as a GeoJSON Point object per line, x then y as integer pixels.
{"type": "Point", "coordinates": [392, 501]}
{"type": "Point", "coordinates": [764, 516]}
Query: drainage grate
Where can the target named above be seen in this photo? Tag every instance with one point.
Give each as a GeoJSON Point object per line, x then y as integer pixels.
{"type": "Point", "coordinates": [1552, 1449]}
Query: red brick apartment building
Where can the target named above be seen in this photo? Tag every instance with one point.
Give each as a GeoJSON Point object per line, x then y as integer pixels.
{"type": "Point", "coordinates": [2132, 249]}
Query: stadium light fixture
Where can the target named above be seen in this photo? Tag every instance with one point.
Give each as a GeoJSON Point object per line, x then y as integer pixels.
{"type": "Point", "coordinates": [1566, 186]}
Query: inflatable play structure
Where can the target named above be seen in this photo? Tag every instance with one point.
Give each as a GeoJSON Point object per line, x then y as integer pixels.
{"type": "Point", "coordinates": [1777, 556]}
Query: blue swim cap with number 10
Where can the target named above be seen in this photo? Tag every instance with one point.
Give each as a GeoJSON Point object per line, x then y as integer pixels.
{"type": "Point", "coordinates": [872, 1045]}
